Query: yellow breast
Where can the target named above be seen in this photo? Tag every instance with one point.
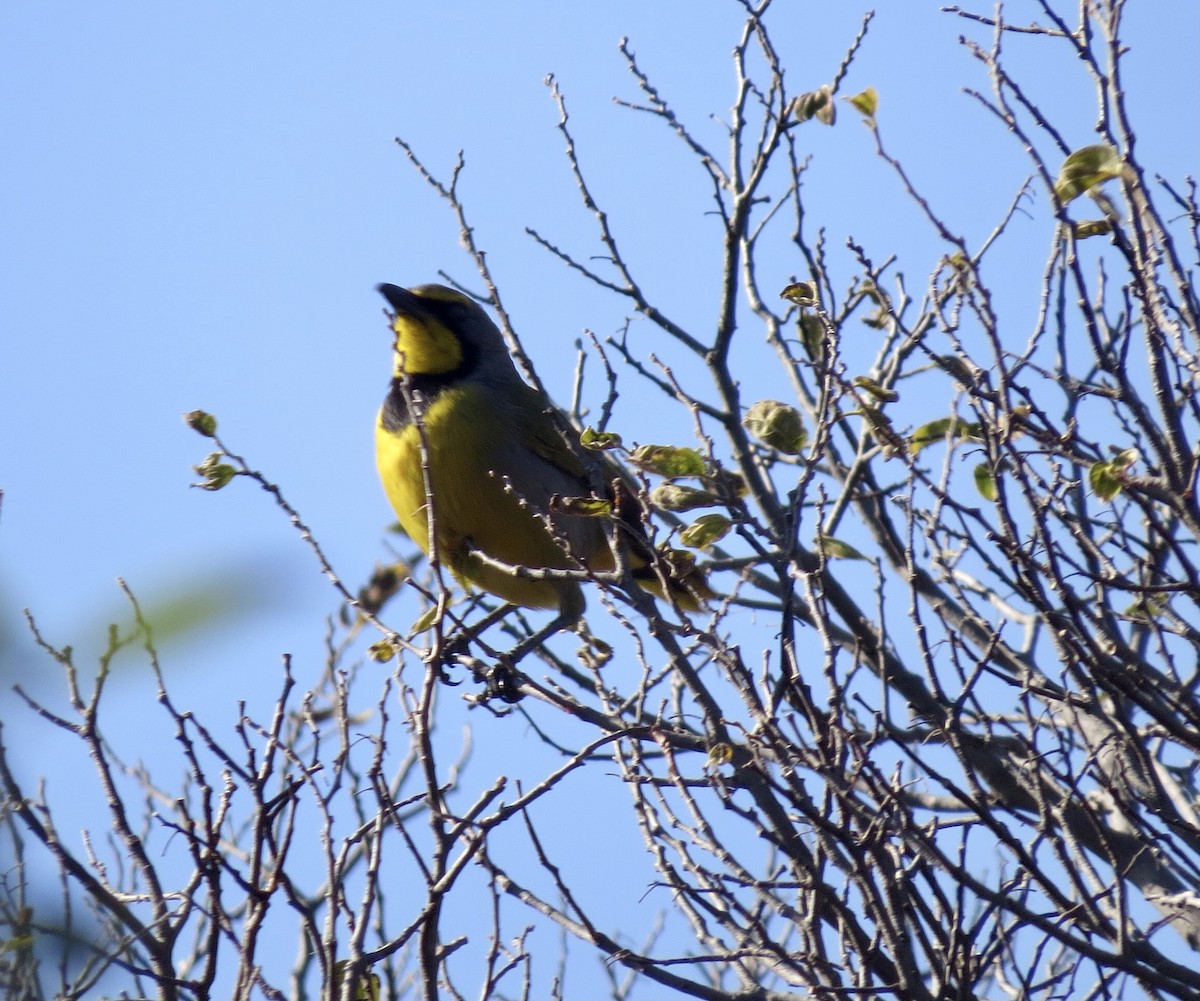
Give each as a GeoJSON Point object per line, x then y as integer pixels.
{"type": "Point", "coordinates": [471, 445]}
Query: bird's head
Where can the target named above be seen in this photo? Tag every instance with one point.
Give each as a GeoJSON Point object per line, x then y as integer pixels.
{"type": "Point", "coordinates": [441, 332]}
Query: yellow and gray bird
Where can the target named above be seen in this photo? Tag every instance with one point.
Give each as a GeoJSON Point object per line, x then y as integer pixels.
{"type": "Point", "coordinates": [495, 458]}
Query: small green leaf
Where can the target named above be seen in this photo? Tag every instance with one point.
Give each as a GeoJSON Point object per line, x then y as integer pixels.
{"type": "Point", "coordinates": [219, 478]}
{"type": "Point", "coordinates": [817, 104]}
{"type": "Point", "coordinates": [720, 754]}
{"type": "Point", "coordinates": [216, 474]}
{"type": "Point", "coordinates": [985, 482]}
{"type": "Point", "coordinates": [384, 583]}
{"type": "Point", "coordinates": [211, 461]}
{"type": "Point", "coordinates": [581, 507]}
{"type": "Point", "coordinates": [931, 433]}
{"type": "Point", "coordinates": [827, 113]}
{"type": "Point", "coordinates": [812, 335]}
{"type": "Point", "coordinates": [1124, 459]}
{"type": "Point", "coordinates": [866, 102]}
{"type": "Point", "coordinates": [598, 441]}
{"type": "Point", "coordinates": [777, 425]}
{"type": "Point", "coordinates": [874, 293]}
{"type": "Point", "coordinates": [201, 421]}
{"type": "Point", "coordinates": [1104, 483]}
{"type": "Point", "coordinates": [602, 651]}
{"type": "Point", "coordinates": [667, 460]}
{"type": "Point", "coordinates": [202, 602]}
{"type": "Point", "coordinates": [1108, 478]}
{"type": "Point", "coordinates": [727, 483]}
{"type": "Point", "coordinates": [673, 497]}
{"type": "Point", "coordinates": [957, 368]}
{"type": "Point", "coordinates": [679, 560]}
{"type": "Point", "coordinates": [1085, 168]}
{"type": "Point", "coordinates": [836, 549]}
{"type": "Point", "coordinates": [705, 531]}
{"type": "Point", "coordinates": [382, 652]}
{"type": "Point", "coordinates": [367, 988]}
{"type": "Point", "coordinates": [1092, 227]}
{"type": "Point", "coordinates": [425, 622]}
{"type": "Point", "coordinates": [876, 390]}
{"type": "Point", "coordinates": [801, 293]}
{"type": "Point", "coordinates": [1147, 608]}
{"type": "Point", "coordinates": [880, 426]}
{"type": "Point", "coordinates": [680, 567]}
{"type": "Point", "coordinates": [877, 319]}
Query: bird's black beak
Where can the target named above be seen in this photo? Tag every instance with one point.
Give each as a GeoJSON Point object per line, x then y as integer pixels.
{"type": "Point", "coordinates": [402, 301]}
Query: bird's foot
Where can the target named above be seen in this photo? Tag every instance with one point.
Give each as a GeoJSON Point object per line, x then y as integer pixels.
{"type": "Point", "coordinates": [504, 682]}
{"type": "Point", "coordinates": [450, 652]}
{"type": "Point", "coordinates": [501, 680]}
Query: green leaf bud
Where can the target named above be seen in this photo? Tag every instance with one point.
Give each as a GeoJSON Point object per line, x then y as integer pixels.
{"type": "Point", "coordinates": [777, 425]}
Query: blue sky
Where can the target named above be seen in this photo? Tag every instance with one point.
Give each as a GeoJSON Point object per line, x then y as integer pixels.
{"type": "Point", "coordinates": [198, 201]}
{"type": "Point", "coordinates": [198, 205]}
